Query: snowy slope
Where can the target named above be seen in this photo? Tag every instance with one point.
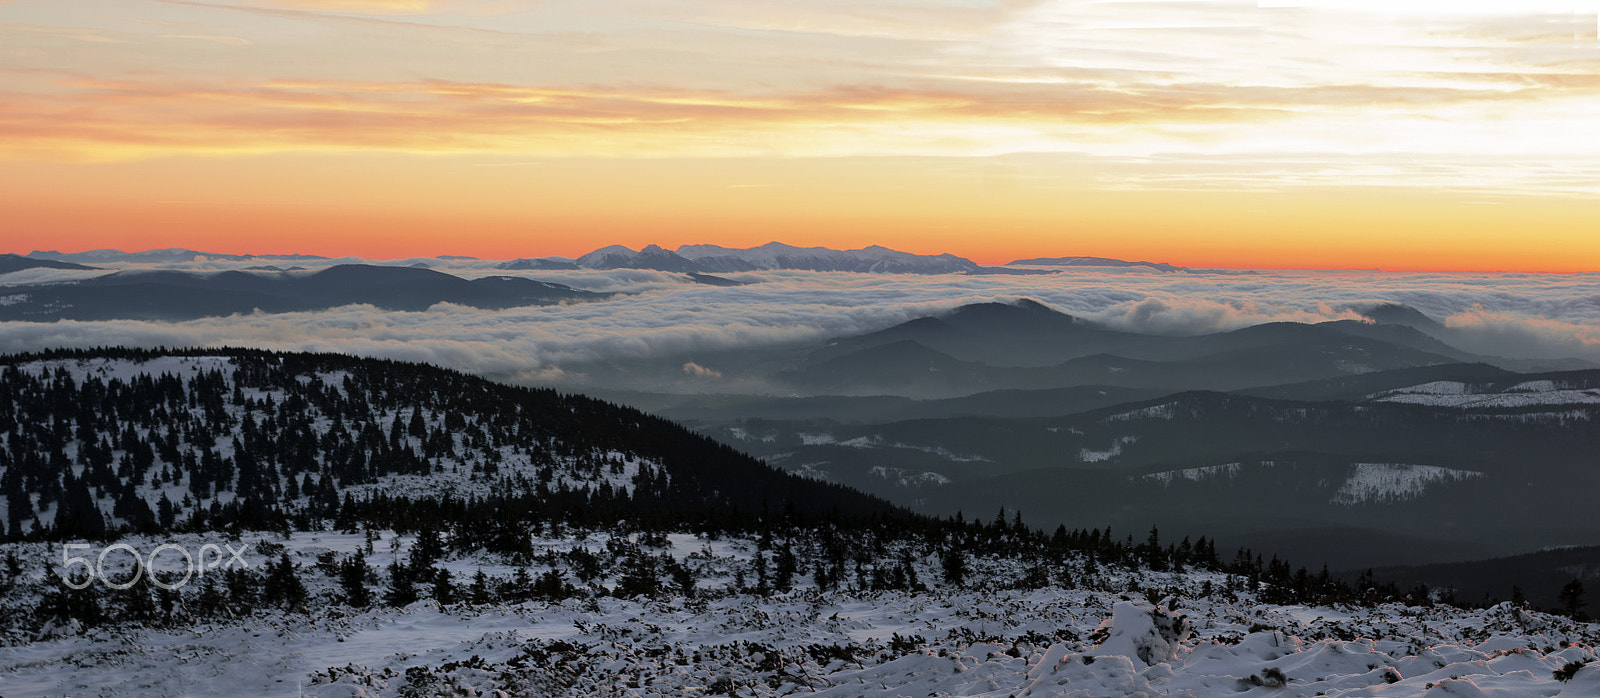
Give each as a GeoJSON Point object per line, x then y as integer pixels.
{"type": "Point", "coordinates": [1456, 394]}
{"type": "Point", "coordinates": [987, 640]}
{"type": "Point", "coordinates": [469, 467]}
{"type": "Point", "coordinates": [1388, 482]}
{"type": "Point", "coordinates": [121, 440]}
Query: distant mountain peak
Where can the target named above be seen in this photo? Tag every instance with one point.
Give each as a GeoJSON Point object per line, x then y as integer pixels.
{"type": "Point", "coordinates": [651, 257]}
{"type": "Point", "coordinates": [1093, 262]}
{"type": "Point", "coordinates": [716, 259]}
{"type": "Point", "coordinates": [620, 251]}
{"type": "Point", "coordinates": [1014, 308]}
{"type": "Point", "coordinates": [539, 263]}
{"type": "Point", "coordinates": [869, 259]}
{"type": "Point", "coordinates": [1398, 314]}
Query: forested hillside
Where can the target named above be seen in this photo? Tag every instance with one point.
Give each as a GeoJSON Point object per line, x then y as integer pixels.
{"type": "Point", "coordinates": [121, 440]}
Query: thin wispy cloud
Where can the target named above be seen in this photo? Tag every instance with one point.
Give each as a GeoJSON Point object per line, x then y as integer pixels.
{"type": "Point", "coordinates": [823, 78]}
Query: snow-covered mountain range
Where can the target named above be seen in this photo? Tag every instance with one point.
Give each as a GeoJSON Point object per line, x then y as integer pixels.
{"type": "Point", "coordinates": [162, 256]}
{"type": "Point", "coordinates": [873, 259]}
{"type": "Point", "coordinates": [773, 255]}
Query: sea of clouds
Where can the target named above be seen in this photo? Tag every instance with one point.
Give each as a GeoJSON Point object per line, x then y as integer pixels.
{"type": "Point", "coordinates": [662, 315]}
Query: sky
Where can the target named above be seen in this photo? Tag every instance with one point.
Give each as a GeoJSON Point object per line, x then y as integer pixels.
{"type": "Point", "coordinates": [1348, 134]}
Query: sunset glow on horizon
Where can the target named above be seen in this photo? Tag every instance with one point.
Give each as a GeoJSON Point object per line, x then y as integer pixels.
{"type": "Point", "coordinates": [1400, 135]}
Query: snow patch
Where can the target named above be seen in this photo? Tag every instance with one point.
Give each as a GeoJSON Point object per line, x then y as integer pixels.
{"type": "Point", "coordinates": [1373, 483]}
{"type": "Point", "coordinates": [1462, 396]}
{"type": "Point", "coordinates": [1538, 386]}
{"type": "Point", "coordinates": [1163, 411]}
{"type": "Point", "coordinates": [877, 441]}
{"type": "Point", "coordinates": [742, 434]}
{"type": "Point", "coordinates": [1430, 388]}
{"type": "Point", "coordinates": [909, 478]}
{"type": "Point", "coordinates": [813, 471]}
{"type": "Point", "coordinates": [1204, 472]}
{"type": "Point", "coordinates": [1563, 418]}
{"type": "Point", "coordinates": [1092, 456]}
{"type": "Point", "coordinates": [184, 367]}
{"type": "Point", "coordinates": [863, 442]}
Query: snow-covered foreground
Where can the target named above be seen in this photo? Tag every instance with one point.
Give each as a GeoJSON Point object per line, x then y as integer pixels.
{"type": "Point", "coordinates": [946, 641]}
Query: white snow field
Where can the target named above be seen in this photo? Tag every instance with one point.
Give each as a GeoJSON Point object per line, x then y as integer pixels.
{"type": "Point", "coordinates": [1392, 482]}
{"type": "Point", "coordinates": [1205, 636]}
{"type": "Point", "coordinates": [1462, 395]}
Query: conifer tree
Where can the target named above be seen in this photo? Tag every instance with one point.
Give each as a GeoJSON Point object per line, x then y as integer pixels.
{"type": "Point", "coordinates": [243, 590]}
{"type": "Point", "coordinates": [784, 568]}
{"type": "Point", "coordinates": [1571, 598]}
{"type": "Point", "coordinates": [444, 590]}
{"type": "Point", "coordinates": [353, 580]}
{"type": "Point", "coordinates": [682, 578]}
{"type": "Point", "coordinates": [402, 588]}
{"type": "Point", "coordinates": [954, 563]}
{"type": "Point", "coordinates": [640, 577]}
{"type": "Point", "coordinates": [519, 588]}
{"type": "Point", "coordinates": [282, 586]}
{"type": "Point", "coordinates": [552, 585]}
{"type": "Point", "coordinates": [479, 592]}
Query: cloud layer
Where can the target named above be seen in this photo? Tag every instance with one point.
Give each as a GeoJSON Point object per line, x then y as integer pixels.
{"type": "Point", "coordinates": [665, 317]}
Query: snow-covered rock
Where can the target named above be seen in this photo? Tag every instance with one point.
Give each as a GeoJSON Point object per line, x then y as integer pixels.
{"type": "Point", "coordinates": [1143, 633]}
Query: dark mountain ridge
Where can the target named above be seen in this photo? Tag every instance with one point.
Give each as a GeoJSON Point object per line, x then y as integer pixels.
{"type": "Point", "coordinates": [158, 256]}
{"type": "Point", "coordinates": [15, 262]}
{"type": "Point", "coordinates": [1025, 344]}
{"type": "Point", "coordinates": [1538, 575]}
{"type": "Point", "coordinates": [184, 295]}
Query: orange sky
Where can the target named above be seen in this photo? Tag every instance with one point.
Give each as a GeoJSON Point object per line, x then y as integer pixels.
{"type": "Point", "coordinates": [1400, 135]}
